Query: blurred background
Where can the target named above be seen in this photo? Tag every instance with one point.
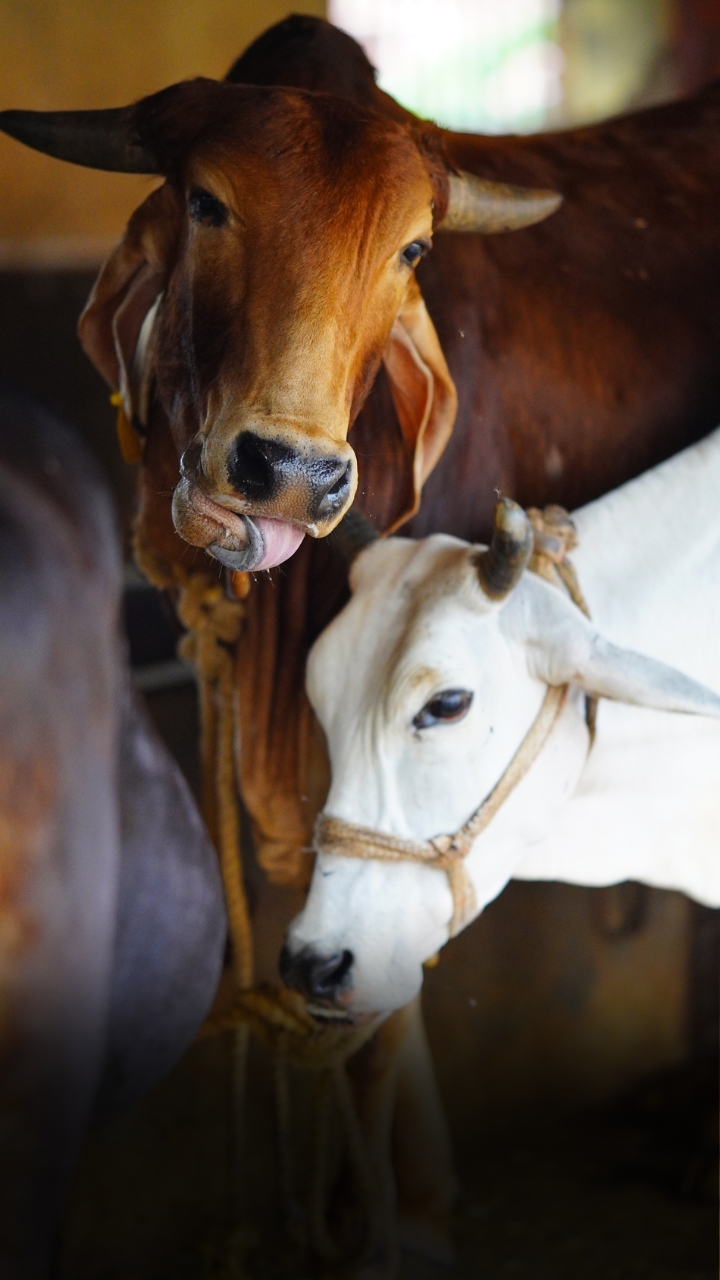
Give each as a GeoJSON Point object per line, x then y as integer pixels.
{"type": "Point", "coordinates": [482, 65]}
{"type": "Point", "coordinates": [558, 998]}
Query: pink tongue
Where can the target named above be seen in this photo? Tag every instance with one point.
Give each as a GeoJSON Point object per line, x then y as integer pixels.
{"type": "Point", "coordinates": [280, 538]}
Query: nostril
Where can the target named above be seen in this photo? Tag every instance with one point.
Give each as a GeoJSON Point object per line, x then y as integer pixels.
{"type": "Point", "coordinates": [256, 466]}
{"type": "Point", "coordinates": [249, 469]}
{"type": "Point", "coordinates": [320, 977]}
{"type": "Point", "coordinates": [341, 484]}
{"type": "Point", "coordinates": [328, 974]}
{"type": "Point", "coordinates": [332, 495]}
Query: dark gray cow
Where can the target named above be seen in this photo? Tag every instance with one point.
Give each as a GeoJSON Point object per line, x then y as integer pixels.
{"type": "Point", "coordinates": [112, 922]}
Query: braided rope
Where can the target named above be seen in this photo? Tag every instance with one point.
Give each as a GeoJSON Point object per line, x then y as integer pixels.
{"type": "Point", "coordinates": [278, 1017]}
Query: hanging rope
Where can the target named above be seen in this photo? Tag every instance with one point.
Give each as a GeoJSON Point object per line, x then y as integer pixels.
{"type": "Point", "coordinates": [277, 1016]}
{"type": "Point", "coordinates": [213, 622]}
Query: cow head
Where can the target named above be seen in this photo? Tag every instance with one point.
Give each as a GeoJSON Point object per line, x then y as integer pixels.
{"type": "Point", "coordinates": [452, 649]}
{"type": "Point", "coordinates": [257, 291]}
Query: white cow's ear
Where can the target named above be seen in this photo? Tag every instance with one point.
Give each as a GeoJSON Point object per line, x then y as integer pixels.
{"type": "Point", "coordinates": [565, 648]}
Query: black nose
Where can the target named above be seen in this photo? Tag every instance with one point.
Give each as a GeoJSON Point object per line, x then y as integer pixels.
{"type": "Point", "coordinates": [259, 468]}
{"type": "Point", "coordinates": [316, 976]}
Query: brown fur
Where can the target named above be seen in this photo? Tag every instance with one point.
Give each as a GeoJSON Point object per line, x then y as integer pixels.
{"type": "Point", "coordinates": [583, 350]}
{"type": "Point", "coordinates": [275, 321]}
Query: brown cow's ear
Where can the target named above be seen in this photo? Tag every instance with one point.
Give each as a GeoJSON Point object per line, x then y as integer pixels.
{"type": "Point", "coordinates": [423, 392]}
{"type": "Point", "coordinates": [125, 292]}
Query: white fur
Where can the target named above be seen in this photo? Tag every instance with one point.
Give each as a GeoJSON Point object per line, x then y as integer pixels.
{"type": "Point", "coordinates": [644, 806]}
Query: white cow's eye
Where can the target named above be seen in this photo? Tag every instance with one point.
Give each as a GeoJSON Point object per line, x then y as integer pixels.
{"type": "Point", "coordinates": [445, 708]}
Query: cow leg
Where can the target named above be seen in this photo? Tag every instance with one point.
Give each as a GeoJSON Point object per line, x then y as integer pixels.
{"type": "Point", "coordinates": [427, 1185]}
{"type": "Point", "coordinates": [374, 1072]}
{"type": "Point", "coordinates": [407, 1142]}
{"type": "Point", "coordinates": [171, 922]}
{"type": "Point", "coordinates": [58, 860]}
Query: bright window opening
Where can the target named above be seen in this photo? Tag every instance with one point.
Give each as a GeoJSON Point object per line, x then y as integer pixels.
{"type": "Point", "coordinates": [489, 66]}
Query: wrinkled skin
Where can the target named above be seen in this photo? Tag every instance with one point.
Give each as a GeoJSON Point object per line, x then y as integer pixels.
{"type": "Point", "coordinates": [414, 761]}
{"type": "Point", "coordinates": [112, 915]}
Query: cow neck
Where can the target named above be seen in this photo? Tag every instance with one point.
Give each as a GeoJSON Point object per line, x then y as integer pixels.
{"type": "Point", "coordinates": [554, 535]}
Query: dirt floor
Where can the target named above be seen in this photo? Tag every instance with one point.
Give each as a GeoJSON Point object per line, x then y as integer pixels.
{"type": "Point", "coordinates": [628, 1190]}
{"type": "Point", "coordinates": [617, 1193]}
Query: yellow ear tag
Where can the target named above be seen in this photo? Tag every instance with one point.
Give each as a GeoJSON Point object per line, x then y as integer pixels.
{"type": "Point", "coordinates": [131, 443]}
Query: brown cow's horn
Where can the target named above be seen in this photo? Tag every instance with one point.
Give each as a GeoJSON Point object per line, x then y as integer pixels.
{"type": "Point", "coordinates": [351, 536]}
{"type": "Point", "coordinates": [501, 566]}
{"type": "Point", "coordinates": [476, 204]}
{"type": "Point", "coordinates": [96, 139]}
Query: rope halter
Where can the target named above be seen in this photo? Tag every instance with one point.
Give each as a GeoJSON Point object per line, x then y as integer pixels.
{"type": "Point", "coordinates": [554, 534]}
{"type": "Point", "coordinates": [448, 852]}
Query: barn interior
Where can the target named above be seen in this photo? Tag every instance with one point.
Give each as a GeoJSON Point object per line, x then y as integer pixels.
{"type": "Point", "coordinates": [574, 1031]}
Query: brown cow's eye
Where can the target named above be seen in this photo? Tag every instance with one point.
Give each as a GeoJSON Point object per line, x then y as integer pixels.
{"type": "Point", "coordinates": [206, 208]}
{"type": "Point", "coordinates": [445, 708]}
{"type": "Point", "coordinates": [414, 252]}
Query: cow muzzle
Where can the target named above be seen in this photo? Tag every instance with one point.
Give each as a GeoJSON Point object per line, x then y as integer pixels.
{"type": "Point", "coordinates": [310, 487]}
{"type": "Point", "coordinates": [255, 513]}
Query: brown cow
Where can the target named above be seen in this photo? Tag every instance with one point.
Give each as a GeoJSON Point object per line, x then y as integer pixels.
{"type": "Point", "coordinates": [583, 351]}
{"type": "Point", "coordinates": [248, 309]}
{"type": "Point", "coordinates": [282, 246]}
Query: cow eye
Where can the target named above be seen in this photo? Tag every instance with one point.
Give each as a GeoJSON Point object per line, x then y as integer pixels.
{"type": "Point", "coordinates": [445, 708]}
{"type": "Point", "coordinates": [414, 252]}
{"type": "Point", "coordinates": [206, 208]}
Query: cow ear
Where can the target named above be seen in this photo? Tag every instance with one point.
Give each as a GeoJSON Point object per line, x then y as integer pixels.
{"type": "Point", "coordinates": [422, 390]}
{"type": "Point", "coordinates": [564, 647]}
{"type": "Point", "coordinates": [115, 326]}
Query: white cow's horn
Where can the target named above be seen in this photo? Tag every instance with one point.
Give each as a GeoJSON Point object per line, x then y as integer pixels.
{"type": "Point", "coordinates": [501, 566]}
{"type": "Point", "coordinates": [476, 204]}
{"type": "Point", "coordinates": [97, 139]}
{"type": "Point", "coordinates": [353, 533]}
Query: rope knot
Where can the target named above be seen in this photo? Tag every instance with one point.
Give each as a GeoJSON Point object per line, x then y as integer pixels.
{"type": "Point", "coordinates": [555, 535]}
{"type": "Point", "coordinates": [449, 849]}
{"type": "Point", "coordinates": [203, 607]}
{"type": "Point", "coordinates": [213, 626]}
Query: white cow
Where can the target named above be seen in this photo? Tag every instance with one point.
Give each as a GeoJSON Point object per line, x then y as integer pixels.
{"type": "Point", "coordinates": [431, 677]}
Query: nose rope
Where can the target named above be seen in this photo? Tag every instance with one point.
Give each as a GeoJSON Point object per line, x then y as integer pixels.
{"type": "Point", "coordinates": [554, 534]}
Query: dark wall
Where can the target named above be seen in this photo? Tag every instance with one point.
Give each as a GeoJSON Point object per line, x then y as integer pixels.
{"type": "Point", "coordinates": [40, 353]}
